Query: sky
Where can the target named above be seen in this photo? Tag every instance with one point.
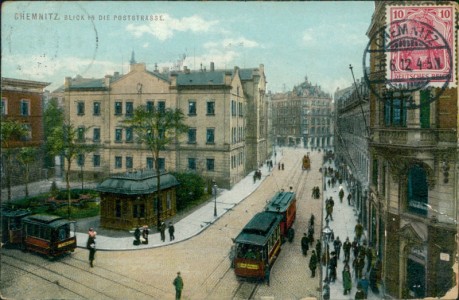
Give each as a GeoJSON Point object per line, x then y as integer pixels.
{"type": "Point", "coordinates": [317, 39]}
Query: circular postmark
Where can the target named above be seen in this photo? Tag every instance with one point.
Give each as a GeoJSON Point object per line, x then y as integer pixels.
{"type": "Point", "coordinates": [409, 55]}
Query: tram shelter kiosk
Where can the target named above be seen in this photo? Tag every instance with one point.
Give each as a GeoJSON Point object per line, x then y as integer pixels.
{"type": "Point", "coordinates": [128, 200]}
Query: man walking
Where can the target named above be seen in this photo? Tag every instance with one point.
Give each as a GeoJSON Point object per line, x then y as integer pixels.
{"type": "Point", "coordinates": [305, 244]}
{"type": "Point", "coordinates": [171, 231]}
{"type": "Point", "coordinates": [178, 283]}
{"type": "Point", "coordinates": [313, 263]}
{"type": "Point", "coordinates": [91, 245]}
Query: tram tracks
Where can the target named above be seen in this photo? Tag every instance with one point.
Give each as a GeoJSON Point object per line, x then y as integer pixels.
{"type": "Point", "coordinates": [246, 290]}
{"type": "Point", "coordinates": [73, 277]}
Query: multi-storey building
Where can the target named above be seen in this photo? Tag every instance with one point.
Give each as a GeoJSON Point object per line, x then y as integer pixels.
{"type": "Point", "coordinates": [303, 116]}
{"type": "Point", "coordinates": [414, 147]}
{"type": "Point", "coordinates": [351, 144]}
{"type": "Point", "coordinates": [22, 100]}
{"type": "Point", "coordinates": [217, 105]}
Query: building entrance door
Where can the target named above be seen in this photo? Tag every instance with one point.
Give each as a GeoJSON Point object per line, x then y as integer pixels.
{"type": "Point", "coordinates": [415, 279]}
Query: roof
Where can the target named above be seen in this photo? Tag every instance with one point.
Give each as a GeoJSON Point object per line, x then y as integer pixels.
{"type": "Point", "coordinates": [201, 78]}
{"type": "Point", "coordinates": [51, 221]}
{"type": "Point", "coordinates": [90, 84]}
{"type": "Point", "coordinates": [136, 183]}
{"type": "Point", "coordinates": [14, 213]}
{"type": "Point", "coordinates": [280, 202]}
{"type": "Point", "coordinates": [259, 229]}
{"type": "Point", "coordinates": [246, 74]}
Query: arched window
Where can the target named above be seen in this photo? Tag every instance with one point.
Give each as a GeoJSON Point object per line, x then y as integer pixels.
{"type": "Point", "coordinates": [417, 190]}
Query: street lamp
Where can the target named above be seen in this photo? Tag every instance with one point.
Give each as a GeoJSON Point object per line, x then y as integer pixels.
{"type": "Point", "coordinates": [326, 235]}
{"type": "Point", "coordinates": [214, 191]}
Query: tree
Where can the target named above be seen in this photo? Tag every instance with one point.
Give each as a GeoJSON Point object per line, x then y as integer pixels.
{"type": "Point", "coordinates": [11, 132]}
{"type": "Point", "coordinates": [26, 156]}
{"type": "Point", "coordinates": [156, 129]}
{"type": "Point", "coordinates": [53, 117]}
{"type": "Point", "coordinates": [69, 142]}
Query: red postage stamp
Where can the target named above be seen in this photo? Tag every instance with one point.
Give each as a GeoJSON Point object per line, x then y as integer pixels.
{"type": "Point", "coordinates": [420, 48]}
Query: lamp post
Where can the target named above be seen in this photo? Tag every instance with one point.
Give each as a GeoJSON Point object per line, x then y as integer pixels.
{"type": "Point", "coordinates": [214, 191]}
{"type": "Point", "coordinates": [326, 235]}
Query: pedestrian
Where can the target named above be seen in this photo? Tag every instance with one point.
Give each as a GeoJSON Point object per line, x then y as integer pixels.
{"type": "Point", "coordinates": [329, 182]}
{"type": "Point", "coordinates": [359, 294]}
{"type": "Point", "coordinates": [349, 198]}
{"type": "Point", "coordinates": [333, 264]}
{"type": "Point", "coordinates": [358, 229]}
{"type": "Point", "coordinates": [313, 263]}
{"type": "Point", "coordinates": [347, 280]}
{"type": "Point", "coordinates": [282, 166]}
{"type": "Point", "coordinates": [278, 166]}
{"type": "Point", "coordinates": [326, 292]}
{"type": "Point", "coordinates": [91, 246]}
{"type": "Point", "coordinates": [305, 244]}
{"type": "Point", "coordinates": [337, 245]}
{"type": "Point", "coordinates": [364, 283]}
{"type": "Point", "coordinates": [355, 247]}
{"type": "Point", "coordinates": [145, 233]}
{"type": "Point", "coordinates": [171, 231]}
{"type": "Point", "coordinates": [347, 249]}
{"type": "Point", "coordinates": [136, 237]}
{"type": "Point", "coordinates": [318, 248]}
{"type": "Point", "coordinates": [178, 283]}
{"type": "Point", "coordinates": [311, 234]}
{"type": "Point", "coordinates": [341, 194]}
{"type": "Point", "coordinates": [370, 254]}
{"type": "Point", "coordinates": [267, 273]}
{"type": "Point", "coordinates": [162, 230]}
{"type": "Point", "coordinates": [329, 211]}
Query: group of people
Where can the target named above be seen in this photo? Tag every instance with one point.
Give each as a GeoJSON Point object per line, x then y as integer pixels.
{"type": "Point", "coordinates": [141, 236]}
{"type": "Point", "coordinates": [315, 192]}
{"type": "Point", "coordinates": [256, 175]}
{"type": "Point", "coordinates": [162, 231]}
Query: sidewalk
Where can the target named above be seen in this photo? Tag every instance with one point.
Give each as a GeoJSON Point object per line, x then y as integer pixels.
{"type": "Point", "coordinates": [187, 227]}
{"type": "Point", "coordinates": [343, 224]}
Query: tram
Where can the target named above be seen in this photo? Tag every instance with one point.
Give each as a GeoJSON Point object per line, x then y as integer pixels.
{"type": "Point", "coordinates": [45, 234]}
{"type": "Point", "coordinates": [284, 203]}
{"type": "Point", "coordinates": [306, 162]}
{"type": "Point", "coordinates": [257, 246]}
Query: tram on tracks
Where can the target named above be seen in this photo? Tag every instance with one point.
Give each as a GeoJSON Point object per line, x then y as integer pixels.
{"type": "Point", "coordinates": [306, 163]}
{"type": "Point", "coordinates": [259, 243]}
{"type": "Point", "coordinates": [284, 203]}
{"type": "Point", "coordinates": [45, 234]}
{"type": "Point", "coordinates": [257, 246]}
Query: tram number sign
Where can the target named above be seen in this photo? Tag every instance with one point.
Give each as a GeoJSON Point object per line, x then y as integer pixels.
{"type": "Point", "coordinates": [248, 266]}
{"type": "Point", "coordinates": [64, 244]}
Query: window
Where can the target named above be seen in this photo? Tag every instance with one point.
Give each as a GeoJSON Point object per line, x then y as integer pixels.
{"type": "Point", "coordinates": [162, 163]}
{"type": "Point", "coordinates": [210, 163]}
{"type": "Point", "coordinates": [241, 112]}
{"type": "Point", "coordinates": [374, 175]}
{"type": "Point", "coordinates": [395, 112]}
{"type": "Point", "coordinates": [425, 109]}
{"type": "Point", "coordinates": [118, 162]}
{"type": "Point", "coordinates": [161, 106]}
{"type": "Point", "coordinates": [210, 138]}
{"type": "Point", "coordinates": [138, 211]}
{"type": "Point", "coordinates": [233, 108]}
{"type": "Point", "coordinates": [129, 109]}
{"type": "Point", "coordinates": [80, 160]}
{"type": "Point", "coordinates": [192, 163]}
{"type": "Point", "coordinates": [149, 162]}
{"type": "Point", "coordinates": [129, 135]}
{"type": "Point", "coordinates": [118, 108]}
{"type": "Point", "coordinates": [80, 134]}
{"type": "Point", "coordinates": [25, 107]}
{"type": "Point", "coordinates": [210, 108]}
{"type": "Point", "coordinates": [96, 135]}
{"type": "Point", "coordinates": [129, 162]}
{"type": "Point", "coordinates": [118, 208]}
{"type": "Point", "coordinates": [417, 190]}
{"type": "Point", "coordinates": [192, 136]}
{"type": "Point", "coordinates": [168, 201]}
{"type": "Point", "coordinates": [96, 160]}
{"type": "Point", "coordinates": [150, 105]}
{"type": "Point", "coordinates": [118, 135]}
{"type": "Point", "coordinates": [192, 108]}
{"type": "Point", "coordinates": [96, 108]}
{"type": "Point", "coordinates": [4, 106]}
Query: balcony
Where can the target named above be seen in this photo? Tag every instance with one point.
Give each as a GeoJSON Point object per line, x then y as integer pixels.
{"type": "Point", "coordinates": [414, 137]}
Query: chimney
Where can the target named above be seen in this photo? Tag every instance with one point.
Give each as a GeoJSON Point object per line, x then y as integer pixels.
{"type": "Point", "coordinates": [116, 74]}
{"type": "Point", "coordinates": [67, 82]}
{"type": "Point", "coordinates": [212, 66]}
{"type": "Point", "coordinates": [107, 80]}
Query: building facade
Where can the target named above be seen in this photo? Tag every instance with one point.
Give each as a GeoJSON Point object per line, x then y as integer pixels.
{"type": "Point", "coordinates": [414, 154]}
{"type": "Point", "coordinates": [22, 101]}
{"type": "Point", "coordinates": [221, 144]}
{"type": "Point", "coordinates": [303, 117]}
{"type": "Point", "coordinates": [352, 158]}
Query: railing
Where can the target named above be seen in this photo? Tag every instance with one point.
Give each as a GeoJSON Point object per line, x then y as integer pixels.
{"type": "Point", "coordinates": [414, 136]}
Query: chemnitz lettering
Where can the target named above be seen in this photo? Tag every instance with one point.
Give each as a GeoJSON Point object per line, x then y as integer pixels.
{"type": "Point", "coordinates": [36, 16]}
